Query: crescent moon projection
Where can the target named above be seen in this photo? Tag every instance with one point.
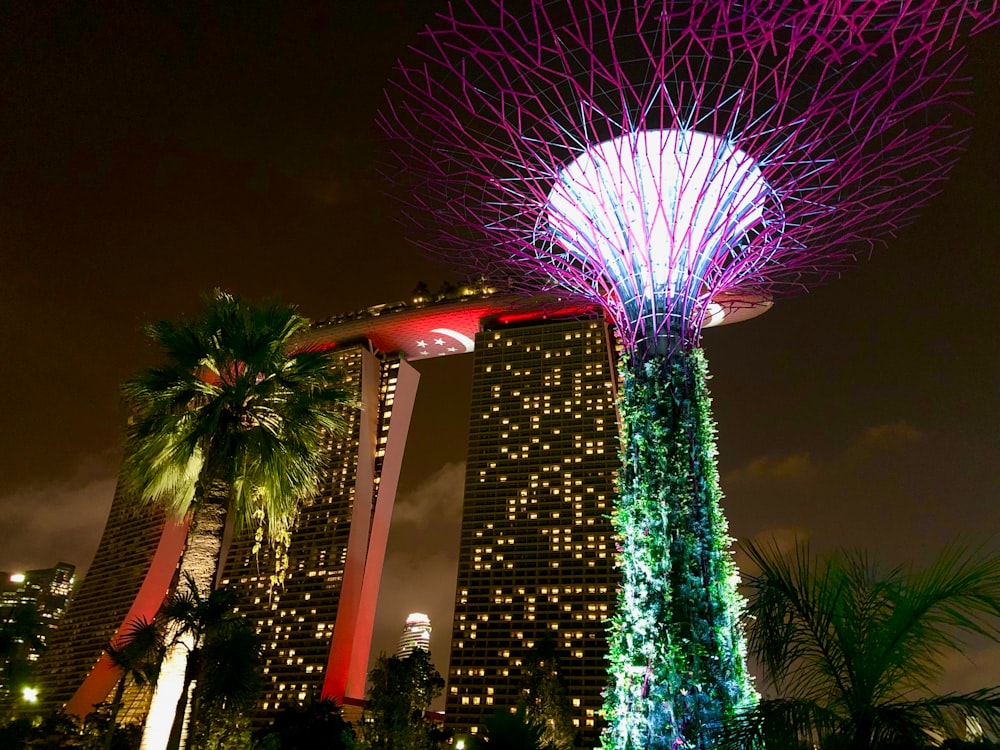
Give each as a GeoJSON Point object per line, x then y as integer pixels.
{"type": "Point", "coordinates": [461, 338]}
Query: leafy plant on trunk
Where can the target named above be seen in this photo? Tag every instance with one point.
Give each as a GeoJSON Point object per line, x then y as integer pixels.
{"type": "Point", "coordinates": [677, 653]}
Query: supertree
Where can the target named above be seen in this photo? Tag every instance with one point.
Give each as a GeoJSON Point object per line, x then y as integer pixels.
{"type": "Point", "coordinates": [680, 164]}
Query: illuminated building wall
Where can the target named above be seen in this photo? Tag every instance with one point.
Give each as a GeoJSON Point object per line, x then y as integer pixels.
{"type": "Point", "coordinates": [316, 628]}
{"type": "Point", "coordinates": [128, 578]}
{"type": "Point", "coordinates": [36, 593]}
{"type": "Point", "coordinates": [536, 555]}
{"type": "Point", "coordinates": [47, 590]}
{"type": "Point", "coordinates": [416, 634]}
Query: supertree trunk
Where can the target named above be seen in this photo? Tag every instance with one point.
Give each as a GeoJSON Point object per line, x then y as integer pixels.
{"type": "Point", "coordinates": [677, 656]}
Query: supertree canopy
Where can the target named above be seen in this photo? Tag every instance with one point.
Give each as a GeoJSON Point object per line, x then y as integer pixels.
{"type": "Point", "coordinates": [680, 164]}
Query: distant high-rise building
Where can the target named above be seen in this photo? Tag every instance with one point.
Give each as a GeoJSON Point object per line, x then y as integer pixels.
{"type": "Point", "coordinates": [46, 590]}
{"type": "Point", "coordinates": [536, 552]}
{"type": "Point", "coordinates": [416, 634]}
{"type": "Point", "coordinates": [31, 606]}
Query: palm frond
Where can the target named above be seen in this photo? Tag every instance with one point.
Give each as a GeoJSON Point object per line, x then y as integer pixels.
{"type": "Point", "coordinates": [845, 640]}
{"type": "Point", "coordinates": [793, 615]}
{"type": "Point", "coordinates": [235, 403]}
{"type": "Point", "coordinates": [948, 715]}
{"type": "Point", "coordinates": [780, 725]}
{"type": "Point", "coordinates": [138, 650]}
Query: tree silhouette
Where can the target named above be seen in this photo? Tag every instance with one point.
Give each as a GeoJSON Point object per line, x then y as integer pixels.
{"type": "Point", "coordinates": [400, 691]}
{"type": "Point", "coordinates": [136, 654]}
{"type": "Point", "coordinates": [850, 647]}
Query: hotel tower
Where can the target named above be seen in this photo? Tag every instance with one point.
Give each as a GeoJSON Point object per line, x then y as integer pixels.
{"type": "Point", "coordinates": [317, 628]}
{"type": "Point", "coordinates": [536, 556]}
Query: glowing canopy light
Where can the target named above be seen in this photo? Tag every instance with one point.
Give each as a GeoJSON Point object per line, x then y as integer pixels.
{"type": "Point", "coordinates": [656, 209]}
{"type": "Point", "coordinates": [789, 138]}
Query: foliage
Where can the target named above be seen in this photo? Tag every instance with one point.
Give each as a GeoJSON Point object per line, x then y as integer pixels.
{"type": "Point", "coordinates": [14, 733]}
{"type": "Point", "coordinates": [318, 723]}
{"type": "Point", "coordinates": [220, 728]}
{"type": "Point", "coordinates": [506, 730]}
{"type": "Point", "coordinates": [399, 692]}
{"type": "Point", "coordinates": [543, 696]}
{"type": "Point", "coordinates": [53, 730]}
{"type": "Point", "coordinates": [233, 406]}
{"type": "Point", "coordinates": [234, 423]}
{"type": "Point", "coordinates": [224, 664]}
{"type": "Point", "coordinates": [96, 732]}
{"type": "Point", "coordinates": [58, 729]}
{"type": "Point", "coordinates": [851, 647]}
{"type": "Point", "coordinates": [676, 649]}
{"type": "Point", "coordinates": [136, 654]}
{"type": "Point", "coordinates": [228, 684]}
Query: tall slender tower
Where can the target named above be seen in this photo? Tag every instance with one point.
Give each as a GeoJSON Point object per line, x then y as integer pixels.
{"type": "Point", "coordinates": [416, 634]}
{"type": "Point", "coordinates": [536, 560]}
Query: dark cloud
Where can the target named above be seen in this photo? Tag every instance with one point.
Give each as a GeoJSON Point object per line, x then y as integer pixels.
{"type": "Point", "coordinates": [59, 520]}
{"type": "Point", "coordinates": [794, 466]}
{"type": "Point", "coordinates": [801, 466]}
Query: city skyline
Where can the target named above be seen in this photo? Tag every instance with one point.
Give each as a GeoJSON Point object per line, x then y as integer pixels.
{"type": "Point", "coordinates": [875, 397]}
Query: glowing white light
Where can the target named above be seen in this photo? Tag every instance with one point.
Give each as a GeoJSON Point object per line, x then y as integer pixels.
{"type": "Point", "coordinates": [660, 205]}
{"type": "Point", "coordinates": [17, 577]}
{"type": "Point", "coordinates": [30, 694]}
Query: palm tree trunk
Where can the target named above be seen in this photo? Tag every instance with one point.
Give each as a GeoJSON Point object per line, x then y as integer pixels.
{"type": "Point", "coordinates": [201, 562]}
{"type": "Point", "coordinates": [181, 712]}
{"type": "Point", "coordinates": [116, 706]}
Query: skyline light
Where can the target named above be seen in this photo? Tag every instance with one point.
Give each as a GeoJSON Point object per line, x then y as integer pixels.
{"type": "Point", "coordinates": [862, 415]}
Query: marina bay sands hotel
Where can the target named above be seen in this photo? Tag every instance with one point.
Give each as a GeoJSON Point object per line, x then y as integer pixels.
{"type": "Point", "coordinates": [536, 551]}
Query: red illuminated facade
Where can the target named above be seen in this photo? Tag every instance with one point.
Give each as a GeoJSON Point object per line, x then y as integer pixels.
{"type": "Point", "coordinates": [317, 629]}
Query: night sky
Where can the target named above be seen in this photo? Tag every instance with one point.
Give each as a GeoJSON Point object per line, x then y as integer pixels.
{"type": "Point", "coordinates": [148, 155]}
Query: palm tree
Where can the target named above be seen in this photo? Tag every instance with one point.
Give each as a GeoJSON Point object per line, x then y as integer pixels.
{"type": "Point", "coordinates": [851, 648]}
{"type": "Point", "coordinates": [225, 666]}
{"type": "Point", "coordinates": [136, 654]}
{"type": "Point", "coordinates": [232, 423]}
{"type": "Point", "coordinates": [208, 622]}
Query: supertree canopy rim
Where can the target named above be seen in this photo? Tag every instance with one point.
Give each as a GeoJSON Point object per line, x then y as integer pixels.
{"type": "Point", "coordinates": [656, 157]}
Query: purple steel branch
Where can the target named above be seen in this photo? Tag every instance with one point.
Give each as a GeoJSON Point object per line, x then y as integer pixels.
{"type": "Point", "coordinates": [840, 112]}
